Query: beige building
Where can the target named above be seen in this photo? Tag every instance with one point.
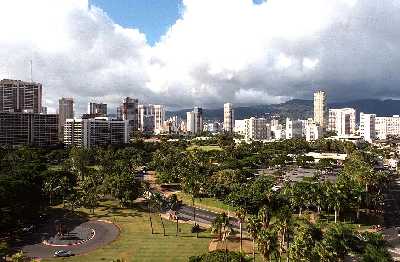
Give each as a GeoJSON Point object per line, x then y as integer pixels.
{"type": "Point", "coordinates": [229, 118]}
{"type": "Point", "coordinates": [342, 121]}
{"type": "Point", "coordinates": [320, 109]}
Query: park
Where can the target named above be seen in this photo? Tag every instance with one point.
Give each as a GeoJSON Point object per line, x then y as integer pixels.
{"type": "Point", "coordinates": [186, 201]}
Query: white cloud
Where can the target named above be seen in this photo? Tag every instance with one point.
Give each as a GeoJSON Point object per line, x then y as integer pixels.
{"type": "Point", "coordinates": [219, 50]}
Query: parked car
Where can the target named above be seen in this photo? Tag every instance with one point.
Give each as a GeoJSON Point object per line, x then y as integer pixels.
{"type": "Point", "coordinates": [63, 253]}
{"type": "Point", "coordinates": [28, 229]}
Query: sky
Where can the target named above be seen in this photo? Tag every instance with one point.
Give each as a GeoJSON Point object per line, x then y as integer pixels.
{"type": "Point", "coordinates": [185, 53]}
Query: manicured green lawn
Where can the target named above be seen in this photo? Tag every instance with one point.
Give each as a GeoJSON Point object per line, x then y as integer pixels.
{"type": "Point", "coordinates": [205, 148]}
{"type": "Point", "coordinates": [136, 243]}
{"type": "Point", "coordinates": [207, 203]}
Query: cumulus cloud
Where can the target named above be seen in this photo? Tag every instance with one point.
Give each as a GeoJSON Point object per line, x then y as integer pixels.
{"type": "Point", "coordinates": [219, 50]}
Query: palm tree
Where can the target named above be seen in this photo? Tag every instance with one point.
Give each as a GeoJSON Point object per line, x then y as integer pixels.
{"type": "Point", "coordinates": [283, 224]}
{"type": "Point", "coordinates": [253, 228]}
{"type": "Point", "coordinates": [160, 203]}
{"type": "Point", "coordinates": [268, 243]}
{"type": "Point", "coordinates": [173, 205]}
{"type": "Point", "coordinates": [148, 195]}
{"type": "Point", "coordinates": [241, 214]}
{"type": "Point", "coordinates": [218, 224]}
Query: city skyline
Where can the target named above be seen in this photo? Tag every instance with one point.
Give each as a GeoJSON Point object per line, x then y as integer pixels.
{"type": "Point", "coordinates": [90, 50]}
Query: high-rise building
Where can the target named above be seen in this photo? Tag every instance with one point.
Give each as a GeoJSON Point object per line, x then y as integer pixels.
{"type": "Point", "coordinates": [342, 121]}
{"type": "Point", "coordinates": [257, 129]}
{"type": "Point", "coordinates": [313, 132]}
{"type": "Point", "coordinates": [97, 109]}
{"type": "Point", "coordinates": [240, 127]}
{"type": "Point", "coordinates": [33, 129]}
{"type": "Point", "coordinates": [194, 121]}
{"type": "Point", "coordinates": [277, 130]}
{"type": "Point", "coordinates": [387, 126]}
{"type": "Point", "coordinates": [65, 111]}
{"type": "Point", "coordinates": [151, 118]}
{"type": "Point", "coordinates": [367, 126]}
{"type": "Point", "coordinates": [229, 118]}
{"type": "Point", "coordinates": [99, 131]}
{"type": "Point", "coordinates": [294, 129]}
{"type": "Point", "coordinates": [129, 111]}
{"type": "Point", "coordinates": [320, 109]}
{"type": "Point", "coordinates": [20, 96]}
{"type": "Point", "coordinates": [159, 116]}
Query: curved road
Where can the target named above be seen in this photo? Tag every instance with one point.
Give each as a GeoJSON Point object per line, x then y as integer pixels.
{"type": "Point", "coordinates": [104, 233]}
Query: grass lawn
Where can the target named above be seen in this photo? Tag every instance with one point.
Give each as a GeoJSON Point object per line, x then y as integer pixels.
{"type": "Point", "coordinates": [205, 148]}
{"type": "Point", "coordinates": [207, 203]}
{"type": "Point", "coordinates": [136, 243]}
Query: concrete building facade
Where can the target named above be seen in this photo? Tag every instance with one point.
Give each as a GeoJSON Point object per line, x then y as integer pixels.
{"type": "Point", "coordinates": [20, 96]}
{"type": "Point", "coordinates": [257, 129]}
{"type": "Point", "coordinates": [294, 129]}
{"type": "Point", "coordinates": [17, 129]}
{"type": "Point", "coordinates": [99, 131]}
{"type": "Point", "coordinates": [129, 111]}
{"type": "Point", "coordinates": [320, 109]}
{"type": "Point", "coordinates": [98, 109]}
{"type": "Point", "coordinates": [194, 121]}
{"type": "Point", "coordinates": [65, 111]}
{"type": "Point", "coordinates": [342, 121]}
{"type": "Point", "coordinates": [229, 118]}
{"type": "Point", "coordinates": [387, 126]}
{"type": "Point", "coordinates": [367, 126]}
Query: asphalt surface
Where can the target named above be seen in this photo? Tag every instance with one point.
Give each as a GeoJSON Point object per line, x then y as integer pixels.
{"type": "Point", "coordinates": [185, 212]}
{"type": "Point", "coordinates": [104, 233]}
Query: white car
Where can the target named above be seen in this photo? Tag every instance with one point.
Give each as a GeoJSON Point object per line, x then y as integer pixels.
{"type": "Point", "coordinates": [63, 253]}
{"type": "Point", "coordinates": [276, 188]}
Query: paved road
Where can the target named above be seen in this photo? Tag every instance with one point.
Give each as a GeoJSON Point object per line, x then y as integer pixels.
{"type": "Point", "coordinates": [203, 216]}
{"type": "Point", "coordinates": [104, 234]}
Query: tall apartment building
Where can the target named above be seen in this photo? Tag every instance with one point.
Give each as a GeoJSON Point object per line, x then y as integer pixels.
{"type": "Point", "coordinates": [294, 129]}
{"type": "Point", "coordinates": [65, 111]}
{"type": "Point", "coordinates": [151, 117]}
{"type": "Point", "coordinates": [320, 109]}
{"type": "Point", "coordinates": [240, 127]}
{"type": "Point", "coordinates": [20, 96]}
{"type": "Point", "coordinates": [97, 109]}
{"type": "Point", "coordinates": [313, 132]}
{"type": "Point", "coordinates": [257, 129]}
{"type": "Point", "coordinates": [367, 126]}
{"type": "Point", "coordinates": [129, 111]}
{"type": "Point", "coordinates": [194, 121]}
{"type": "Point", "coordinates": [17, 129]}
{"type": "Point", "coordinates": [387, 126]}
{"type": "Point", "coordinates": [342, 121]}
{"type": "Point", "coordinates": [159, 116]}
{"type": "Point", "coordinates": [229, 118]}
{"type": "Point", "coordinates": [99, 131]}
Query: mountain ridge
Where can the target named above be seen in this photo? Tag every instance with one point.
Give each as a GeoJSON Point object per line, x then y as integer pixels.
{"type": "Point", "coordinates": [299, 109]}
